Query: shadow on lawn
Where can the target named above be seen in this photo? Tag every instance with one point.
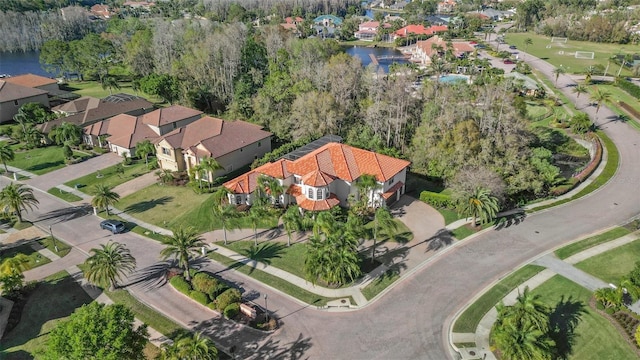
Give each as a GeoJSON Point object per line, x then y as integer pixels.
{"type": "Point", "coordinates": [563, 321]}
{"type": "Point", "coordinates": [43, 166]}
{"type": "Point", "coordinates": [147, 205]}
{"type": "Point", "coordinates": [264, 252]}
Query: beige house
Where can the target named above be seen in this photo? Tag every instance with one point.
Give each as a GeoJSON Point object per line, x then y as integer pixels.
{"type": "Point", "coordinates": [233, 144]}
{"type": "Point", "coordinates": [13, 96]}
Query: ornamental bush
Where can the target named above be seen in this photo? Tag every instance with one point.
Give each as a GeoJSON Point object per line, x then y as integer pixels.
{"type": "Point", "coordinates": [205, 283]}
{"type": "Point", "coordinates": [200, 297]}
{"type": "Point", "coordinates": [227, 298]}
{"type": "Point", "coordinates": [180, 284]}
{"type": "Point", "coordinates": [231, 310]}
{"type": "Point", "coordinates": [436, 199]}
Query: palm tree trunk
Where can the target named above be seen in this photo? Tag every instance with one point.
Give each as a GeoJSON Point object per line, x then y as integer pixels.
{"type": "Point", "coordinates": [255, 236]}
{"type": "Point", "coordinates": [107, 209]}
{"type": "Point", "coordinates": [288, 239]}
{"type": "Point", "coordinates": [5, 166]}
{"type": "Point", "coordinates": [19, 213]}
{"type": "Point", "coordinates": [186, 271]}
{"type": "Point", "coordinates": [224, 230]}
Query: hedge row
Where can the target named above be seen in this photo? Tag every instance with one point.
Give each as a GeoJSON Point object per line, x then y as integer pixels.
{"type": "Point", "coordinates": [210, 292]}
{"type": "Point", "coordinates": [630, 109]}
{"type": "Point", "coordinates": [437, 200]}
{"type": "Point", "coordinates": [180, 284]}
{"type": "Point", "coordinates": [631, 88]}
{"type": "Point", "coordinates": [582, 175]}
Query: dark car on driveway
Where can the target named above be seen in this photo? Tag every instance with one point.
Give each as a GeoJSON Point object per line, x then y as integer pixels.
{"type": "Point", "coordinates": [508, 61]}
{"type": "Point", "coordinates": [114, 226]}
{"type": "Point", "coordinates": [512, 47]}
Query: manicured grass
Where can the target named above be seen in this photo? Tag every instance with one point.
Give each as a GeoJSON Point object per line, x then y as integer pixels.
{"type": "Point", "coordinates": [66, 196]}
{"type": "Point", "coordinates": [536, 110]}
{"type": "Point", "coordinates": [146, 314]}
{"type": "Point", "coordinates": [35, 259]}
{"type": "Point", "coordinates": [134, 227]}
{"type": "Point", "coordinates": [590, 242]}
{"type": "Point", "coordinates": [596, 338]}
{"type": "Point", "coordinates": [41, 160]}
{"type": "Point", "coordinates": [470, 318]}
{"type": "Point", "coordinates": [52, 301]}
{"type": "Point", "coordinates": [94, 89]}
{"type": "Point", "coordinates": [603, 51]}
{"type": "Point", "coordinates": [21, 225]}
{"type": "Point", "coordinates": [618, 95]}
{"type": "Point", "coordinates": [614, 264]}
{"type": "Point", "coordinates": [109, 177]}
{"type": "Point", "coordinates": [273, 281]}
{"type": "Point", "coordinates": [288, 258]}
{"type": "Point", "coordinates": [63, 248]}
{"type": "Point", "coordinates": [402, 234]}
{"type": "Point", "coordinates": [449, 215]}
{"type": "Point", "coordinates": [551, 85]}
{"type": "Point", "coordinates": [375, 287]}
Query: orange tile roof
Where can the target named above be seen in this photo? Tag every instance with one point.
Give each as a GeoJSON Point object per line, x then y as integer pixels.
{"type": "Point", "coordinates": [317, 205]}
{"type": "Point", "coordinates": [392, 190]}
{"type": "Point", "coordinates": [317, 178]}
{"type": "Point", "coordinates": [30, 80]}
{"type": "Point", "coordinates": [276, 170]}
{"type": "Point", "coordinates": [420, 30]}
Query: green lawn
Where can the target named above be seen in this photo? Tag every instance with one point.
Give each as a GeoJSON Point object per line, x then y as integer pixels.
{"type": "Point", "coordinates": [35, 259]}
{"type": "Point", "coordinates": [51, 302]}
{"type": "Point", "coordinates": [66, 196]}
{"type": "Point", "coordinates": [470, 318]}
{"type": "Point", "coordinates": [596, 338]}
{"type": "Point", "coordinates": [63, 248]}
{"type": "Point", "coordinates": [402, 234]}
{"type": "Point", "coordinates": [273, 281]}
{"type": "Point", "coordinates": [590, 242]}
{"type": "Point", "coordinates": [109, 177]}
{"type": "Point", "coordinates": [564, 54]}
{"type": "Point", "coordinates": [536, 110]}
{"type": "Point", "coordinates": [94, 89]}
{"type": "Point", "coordinates": [288, 258]}
{"type": "Point", "coordinates": [41, 160]}
{"type": "Point", "coordinates": [617, 95]}
{"type": "Point", "coordinates": [614, 264]}
{"type": "Point", "coordinates": [375, 287]}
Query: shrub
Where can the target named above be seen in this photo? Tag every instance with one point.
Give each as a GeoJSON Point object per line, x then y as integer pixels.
{"type": "Point", "coordinates": [231, 310]}
{"type": "Point", "coordinates": [222, 287]}
{"type": "Point", "coordinates": [629, 87]}
{"type": "Point", "coordinates": [205, 283]}
{"type": "Point", "coordinates": [227, 298]}
{"type": "Point", "coordinates": [436, 199]}
{"type": "Point", "coordinates": [629, 109]}
{"type": "Point", "coordinates": [180, 284]}
{"type": "Point", "coordinates": [200, 297]}
{"type": "Point", "coordinates": [593, 164]}
{"type": "Point", "coordinates": [212, 306]}
{"type": "Point", "coordinates": [66, 150]}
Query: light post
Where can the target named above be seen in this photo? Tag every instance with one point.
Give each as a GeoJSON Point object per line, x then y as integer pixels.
{"type": "Point", "coordinates": [55, 245]}
{"type": "Point", "coordinates": [266, 308]}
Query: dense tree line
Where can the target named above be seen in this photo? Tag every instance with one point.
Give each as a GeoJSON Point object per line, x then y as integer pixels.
{"type": "Point", "coordinates": [28, 30]}
{"type": "Point", "coordinates": [32, 5]}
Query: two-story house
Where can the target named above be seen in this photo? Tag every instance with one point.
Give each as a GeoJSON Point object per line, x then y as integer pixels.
{"type": "Point", "coordinates": [13, 96]}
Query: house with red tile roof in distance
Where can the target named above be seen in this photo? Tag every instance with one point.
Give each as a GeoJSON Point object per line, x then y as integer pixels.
{"type": "Point", "coordinates": [325, 178]}
{"type": "Point", "coordinates": [101, 11]}
{"type": "Point", "coordinates": [369, 29]}
{"type": "Point", "coordinates": [233, 144]}
{"type": "Point", "coordinates": [436, 46]}
{"type": "Point", "coordinates": [291, 23]}
{"type": "Point", "coordinates": [419, 30]}
{"type": "Point", "coordinates": [122, 132]}
{"type": "Point", "coordinates": [446, 6]}
{"type": "Point", "coordinates": [35, 81]}
{"type": "Point", "coordinates": [13, 96]}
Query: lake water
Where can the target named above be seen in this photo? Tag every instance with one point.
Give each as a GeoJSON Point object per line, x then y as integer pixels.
{"type": "Point", "coordinates": [364, 54]}
{"type": "Point", "coordinates": [21, 63]}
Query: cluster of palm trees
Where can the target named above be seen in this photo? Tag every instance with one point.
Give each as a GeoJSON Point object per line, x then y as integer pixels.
{"type": "Point", "coordinates": [192, 347]}
{"type": "Point", "coordinates": [628, 290]}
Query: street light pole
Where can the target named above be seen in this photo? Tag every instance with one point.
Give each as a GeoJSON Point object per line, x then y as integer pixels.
{"type": "Point", "coordinates": [266, 308]}
{"type": "Point", "coordinates": [55, 245]}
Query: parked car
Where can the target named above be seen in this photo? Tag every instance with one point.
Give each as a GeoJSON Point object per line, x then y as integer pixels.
{"type": "Point", "coordinates": [512, 47]}
{"type": "Point", "coordinates": [114, 226]}
{"type": "Point", "coordinates": [481, 46]}
{"type": "Point", "coordinates": [508, 61]}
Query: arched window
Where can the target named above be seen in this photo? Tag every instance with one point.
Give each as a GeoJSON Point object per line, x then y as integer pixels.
{"type": "Point", "coordinates": [310, 193]}
{"type": "Point", "coordinates": [319, 194]}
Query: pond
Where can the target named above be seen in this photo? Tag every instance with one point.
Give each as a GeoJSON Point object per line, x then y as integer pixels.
{"type": "Point", "coordinates": [385, 56]}
{"type": "Point", "coordinates": [21, 63]}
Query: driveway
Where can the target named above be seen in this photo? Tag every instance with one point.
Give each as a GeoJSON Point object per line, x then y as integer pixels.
{"type": "Point", "coordinates": [67, 173]}
{"type": "Point", "coordinates": [423, 220]}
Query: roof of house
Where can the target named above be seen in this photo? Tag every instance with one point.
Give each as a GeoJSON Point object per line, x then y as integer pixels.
{"type": "Point", "coordinates": [77, 105]}
{"type": "Point", "coordinates": [168, 115]}
{"type": "Point", "coordinates": [329, 162]}
{"type": "Point", "coordinates": [332, 18]}
{"type": "Point", "coordinates": [420, 30]}
{"type": "Point", "coordinates": [11, 92]}
{"type": "Point", "coordinates": [30, 80]}
{"type": "Point", "coordinates": [428, 45]}
{"type": "Point", "coordinates": [126, 131]}
{"type": "Point", "coordinates": [214, 137]}
{"type": "Point", "coordinates": [95, 111]}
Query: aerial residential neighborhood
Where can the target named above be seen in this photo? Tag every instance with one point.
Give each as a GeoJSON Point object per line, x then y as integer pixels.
{"type": "Point", "coordinates": [319, 180]}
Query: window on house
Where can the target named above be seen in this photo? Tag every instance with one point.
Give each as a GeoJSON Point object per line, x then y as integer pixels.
{"type": "Point", "coordinates": [259, 143]}
{"type": "Point", "coordinates": [296, 180]}
{"type": "Point", "coordinates": [319, 194]}
{"type": "Point", "coordinates": [310, 193]}
{"type": "Point", "coordinates": [166, 151]}
{"type": "Point", "coordinates": [391, 181]}
{"type": "Point", "coordinates": [238, 199]}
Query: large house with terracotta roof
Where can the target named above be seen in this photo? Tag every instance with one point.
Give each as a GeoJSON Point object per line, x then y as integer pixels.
{"type": "Point", "coordinates": [233, 144]}
{"type": "Point", "coordinates": [325, 178]}
{"type": "Point", "coordinates": [419, 30]}
{"type": "Point", "coordinates": [368, 30]}
{"type": "Point", "coordinates": [424, 51]}
{"type": "Point", "coordinates": [13, 96]}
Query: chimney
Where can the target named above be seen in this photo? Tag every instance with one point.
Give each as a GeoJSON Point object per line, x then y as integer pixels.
{"type": "Point", "coordinates": [405, 31]}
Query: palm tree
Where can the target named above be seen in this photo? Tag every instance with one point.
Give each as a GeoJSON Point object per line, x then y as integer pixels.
{"type": "Point", "coordinates": [479, 203]}
{"type": "Point", "coordinates": [6, 154]}
{"type": "Point", "coordinates": [599, 97]}
{"type": "Point", "coordinates": [610, 298]}
{"type": "Point", "coordinates": [164, 175]}
{"type": "Point", "coordinates": [145, 148]}
{"type": "Point", "coordinates": [529, 308]}
{"type": "Point", "coordinates": [66, 133]}
{"type": "Point", "coordinates": [221, 196]}
{"type": "Point", "coordinates": [324, 224]}
{"type": "Point", "coordinates": [255, 215]}
{"type": "Point", "coordinates": [184, 243]}
{"type": "Point", "coordinates": [528, 41]}
{"type": "Point", "coordinates": [227, 215]}
{"type": "Point", "coordinates": [103, 197]}
{"type": "Point", "coordinates": [109, 264]}
{"type": "Point", "coordinates": [527, 343]}
{"type": "Point", "coordinates": [291, 221]}
{"type": "Point", "coordinates": [331, 259]}
{"type": "Point", "coordinates": [194, 347]}
{"type": "Point", "coordinates": [209, 165]}
{"type": "Point", "coordinates": [14, 265]}
{"type": "Point", "coordinates": [557, 72]}
{"type": "Point", "coordinates": [580, 89]}
{"type": "Point", "coordinates": [588, 74]}
{"type": "Point", "coordinates": [275, 190]}
{"type": "Point", "coordinates": [383, 221]}
{"type": "Point", "coordinates": [15, 198]}
{"type": "Point", "coordinates": [109, 82]}
{"type": "Point", "coordinates": [366, 185]}
{"type": "Point", "coordinates": [31, 136]}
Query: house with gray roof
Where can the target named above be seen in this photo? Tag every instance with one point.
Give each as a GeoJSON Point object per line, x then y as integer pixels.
{"type": "Point", "coordinates": [13, 96]}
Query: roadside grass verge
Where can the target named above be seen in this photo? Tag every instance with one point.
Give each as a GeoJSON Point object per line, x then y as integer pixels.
{"type": "Point", "coordinates": [470, 318]}
{"type": "Point", "coordinates": [66, 196]}
{"type": "Point", "coordinates": [611, 266]}
{"type": "Point", "coordinates": [595, 338]}
{"type": "Point", "coordinates": [33, 256]}
{"type": "Point", "coordinates": [273, 281]}
{"type": "Point", "coordinates": [133, 227]}
{"type": "Point", "coordinates": [590, 242]}
{"type": "Point", "coordinates": [41, 160]}
{"type": "Point", "coordinates": [109, 176]}
{"type": "Point", "coordinates": [63, 247]}
{"type": "Point", "coordinates": [378, 285]}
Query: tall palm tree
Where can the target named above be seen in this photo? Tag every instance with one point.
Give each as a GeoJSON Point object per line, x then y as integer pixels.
{"type": "Point", "coordinates": [32, 136]}
{"type": "Point", "coordinates": [227, 215]}
{"type": "Point", "coordinates": [6, 154]}
{"type": "Point", "coordinates": [580, 89]}
{"type": "Point", "coordinates": [528, 41]}
{"type": "Point", "coordinates": [557, 72]}
{"type": "Point", "coordinates": [331, 259]}
{"type": "Point", "coordinates": [194, 347]}
{"type": "Point", "coordinates": [275, 189]}
{"type": "Point", "coordinates": [599, 97]}
{"type": "Point", "coordinates": [529, 308]}
{"type": "Point", "coordinates": [221, 196]}
{"type": "Point", "coordinates": [527, 343]}
{"type": "Point", "coordinates": [367, 185]}
{"type": "Point", "coordinates": [184, 243]}
{"type": "Point", "coordinates": [145, 148]}
{"type": "Point", "coordinates": [66, 133]}
{"type": "Point", "coordinates": [109, 264]}
{"type": "Point", "coordinates": [103, 197]}
{"type": "Point", "coordinates": [255, 215]}
{"type": "Point", "coordinates": [291, 221]}
{"type": "Point", "coordinates": [383, 221]}
{"type": "Point", "coordinates": [109, 82]}
{"type": "Point", "coordinates": [478, 204]}
{"type": "Point", "coordinates": [16, 198]}
{"type": "Point", "coordinates": [209, 165]}
{"type": "Point", "coordinates": [588, 74]}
